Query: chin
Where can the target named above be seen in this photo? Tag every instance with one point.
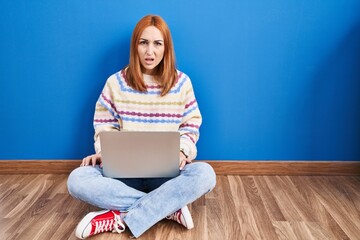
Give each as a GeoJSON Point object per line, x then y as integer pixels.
{"type": "Point", "coordinates": [149, 70]}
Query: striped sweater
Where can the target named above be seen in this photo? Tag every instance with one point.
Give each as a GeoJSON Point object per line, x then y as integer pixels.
{"type": "Point", "coordinates": [121, 108]}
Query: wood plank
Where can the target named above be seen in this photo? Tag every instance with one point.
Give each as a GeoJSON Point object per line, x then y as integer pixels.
{"type": "Point", "coordinates": [328, 224]}
{"type": "Point", "coordinates": [340, 208]}
{"type": "Point", "coordinates": [39, 207]}
{"type": "Point", "coordinates": [247, 220]}
{"type": "Point", "coordinates": [283, 200]}
{"type": "Point", "coordinates": [257, 206]}
{"type": "Point", "coordinates": [269, 200]}
{"type": "Point", "coordinates": [284, 230]}
{"type": "Point", "coordinates": [223, 221]}
{"type": "Point", "coordinates": [326, 168]}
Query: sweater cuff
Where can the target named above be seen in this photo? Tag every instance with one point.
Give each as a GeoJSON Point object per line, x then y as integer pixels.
{"type": "Point", "coordinates": [188, 147]}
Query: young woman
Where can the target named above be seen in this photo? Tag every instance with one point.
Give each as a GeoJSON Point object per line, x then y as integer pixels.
{"type": "Point", "coordinates": [150, 94]}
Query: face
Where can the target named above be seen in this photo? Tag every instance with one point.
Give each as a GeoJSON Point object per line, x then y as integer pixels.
{"type": "Point", "coordinates": [150, 49]}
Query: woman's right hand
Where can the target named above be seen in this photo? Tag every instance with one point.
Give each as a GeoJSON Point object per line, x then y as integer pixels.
{"type": "Point", "coordinates": [92, 160]}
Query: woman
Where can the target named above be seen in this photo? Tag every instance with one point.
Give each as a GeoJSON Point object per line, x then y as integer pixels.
{"type": "Point", "coordinates": [150, 94]}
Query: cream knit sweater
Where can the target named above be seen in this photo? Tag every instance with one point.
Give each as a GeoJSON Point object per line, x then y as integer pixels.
{"type": "Point", "coordinates": [121, 108]}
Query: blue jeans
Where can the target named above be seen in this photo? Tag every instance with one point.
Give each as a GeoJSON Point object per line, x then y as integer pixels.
{"type": "Point", "coordinates": [146, 201]}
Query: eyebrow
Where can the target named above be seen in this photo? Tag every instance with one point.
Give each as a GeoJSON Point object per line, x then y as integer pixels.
{"type": "Point", "coordinates": [144, 39]}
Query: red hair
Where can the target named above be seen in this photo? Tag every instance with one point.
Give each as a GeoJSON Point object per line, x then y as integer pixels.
{"type": "Point", "coordinates": [165, 72]}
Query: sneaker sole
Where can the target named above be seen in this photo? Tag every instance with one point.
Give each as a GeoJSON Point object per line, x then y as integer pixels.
{"type": "Point", "coordinates": [187, 217]}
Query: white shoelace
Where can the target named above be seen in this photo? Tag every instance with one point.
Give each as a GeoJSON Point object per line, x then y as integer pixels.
{"type": "Point", "coordinates": [107, 225]}
{"type": "Point", "coordinates": [118, 223]}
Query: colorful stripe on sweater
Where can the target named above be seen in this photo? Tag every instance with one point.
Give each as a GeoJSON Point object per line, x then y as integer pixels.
{"type": "Point", "coordinates": [121, 108]}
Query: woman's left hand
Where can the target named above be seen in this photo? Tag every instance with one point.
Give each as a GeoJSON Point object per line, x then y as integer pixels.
{"type": "Point", "coordinates": [183, 161]}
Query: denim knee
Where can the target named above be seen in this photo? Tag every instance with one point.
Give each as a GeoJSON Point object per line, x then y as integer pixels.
{"type": "Point", "coordinates": [77, 179]}
{"type": "Point", "coordinates": [205, 175]}
{"type": "Point", "coordinates": [72, 182]}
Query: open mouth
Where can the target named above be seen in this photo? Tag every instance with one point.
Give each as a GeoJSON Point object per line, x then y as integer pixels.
{"type": "Point", "coordinates": [149, 60]}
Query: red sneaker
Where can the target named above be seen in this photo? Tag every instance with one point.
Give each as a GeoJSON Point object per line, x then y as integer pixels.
{"type": "Point", "coordinates": [183, 217]}
{"type": "Point", "coordinates": [98, 222]}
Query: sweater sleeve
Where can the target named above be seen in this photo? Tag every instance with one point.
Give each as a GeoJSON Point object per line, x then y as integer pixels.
{"type": "Point", "coordinates": [191, 121]}
{"type": "Point", "coordinates": [106, 117]}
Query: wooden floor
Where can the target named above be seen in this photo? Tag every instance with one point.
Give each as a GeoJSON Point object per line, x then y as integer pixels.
{"type": "Point", "coordinates": [240, 207]}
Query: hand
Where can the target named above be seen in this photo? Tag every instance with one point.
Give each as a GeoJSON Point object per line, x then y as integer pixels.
{"type": "Point", "coordinates": [92, 160]}
{"type": "Point", "coordinates": [183, 161]}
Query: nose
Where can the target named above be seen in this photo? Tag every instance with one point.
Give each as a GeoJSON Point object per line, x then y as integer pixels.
{"type": "Point", "coordinates": [149, 49]}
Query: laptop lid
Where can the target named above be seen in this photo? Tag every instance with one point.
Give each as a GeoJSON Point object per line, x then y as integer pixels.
{"type": "Point", "coordinates": [131, 154]}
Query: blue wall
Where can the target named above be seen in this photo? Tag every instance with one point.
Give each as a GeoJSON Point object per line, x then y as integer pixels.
{"type": "Point", "coordinates": [274, 79]}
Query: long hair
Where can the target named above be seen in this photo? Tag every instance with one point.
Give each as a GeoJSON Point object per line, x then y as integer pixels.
{"type": "Point", "coordinates": [165, 72]}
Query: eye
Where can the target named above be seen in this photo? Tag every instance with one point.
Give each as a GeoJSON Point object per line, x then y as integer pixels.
{"type": "Point", "coordinates": [142, 42]}
{"type": "Point", "coordinates": [158, 43]}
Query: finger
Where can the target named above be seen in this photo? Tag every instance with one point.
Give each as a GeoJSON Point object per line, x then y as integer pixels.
{"type": "Point", "coordinates": [83, 163]}
{"type": "Point", "coordinates": [93, 159]}
{"type": "Point", "coordinates": [182, 164]}
{"type": "Point", "coordinates": [86, 161]}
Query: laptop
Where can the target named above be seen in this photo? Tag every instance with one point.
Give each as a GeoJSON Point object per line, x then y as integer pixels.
{"type": "Point", "coordinates": [130, 154]}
